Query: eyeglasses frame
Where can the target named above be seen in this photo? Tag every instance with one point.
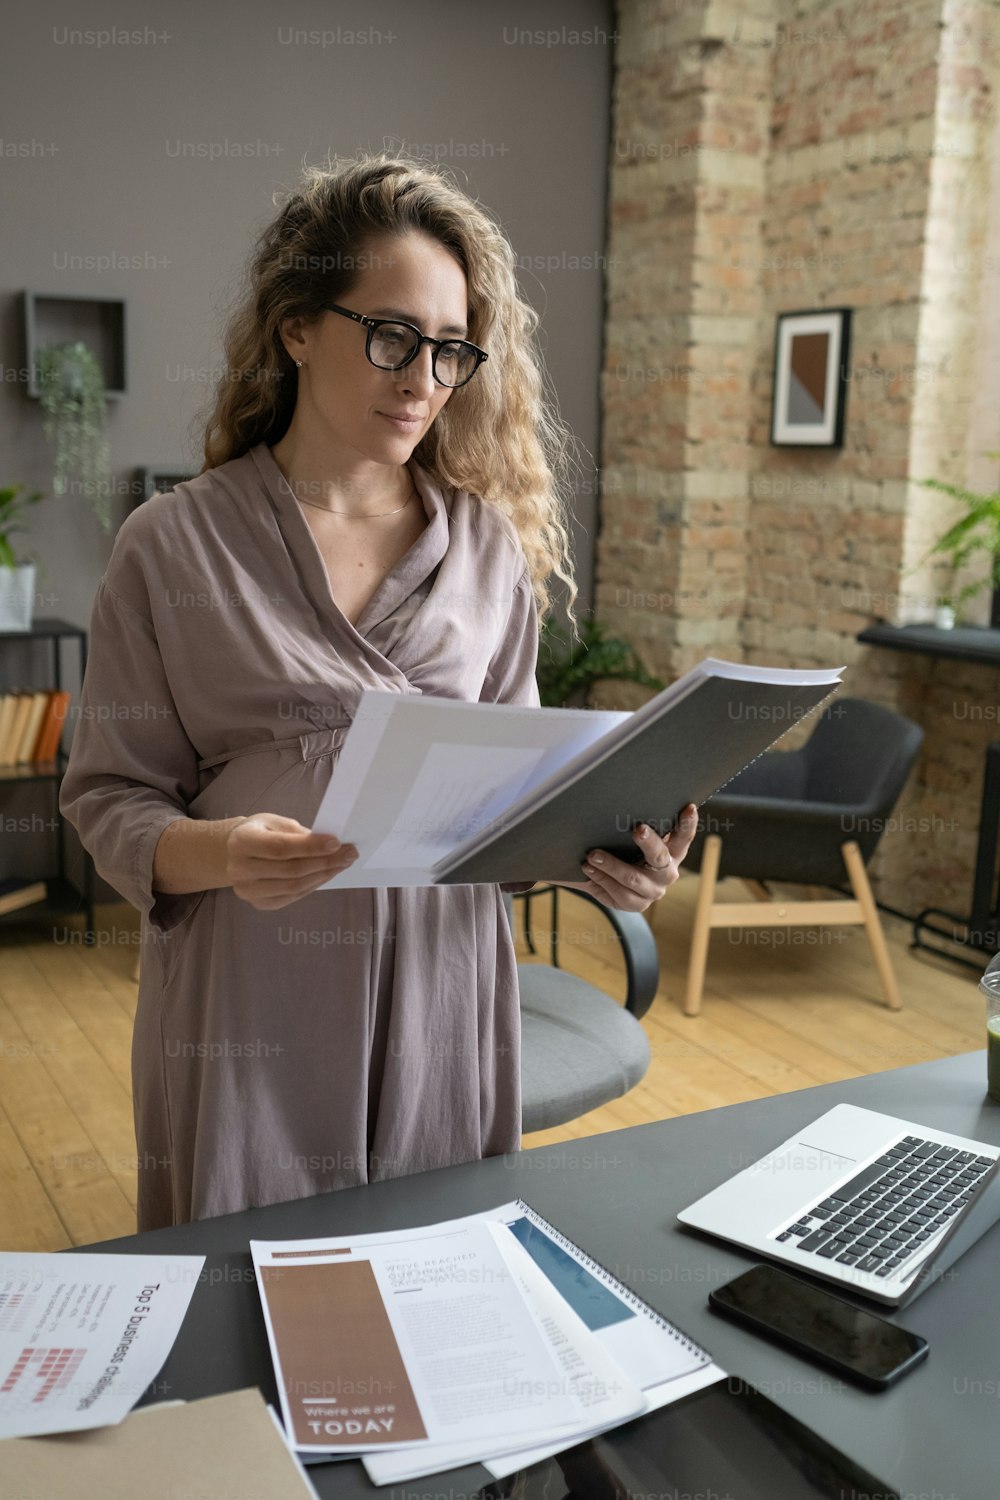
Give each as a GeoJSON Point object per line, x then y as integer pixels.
{"type": "Point", "coordinates": [436, 344]}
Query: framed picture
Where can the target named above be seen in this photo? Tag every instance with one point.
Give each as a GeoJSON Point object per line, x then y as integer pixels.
{"type": "Point", "coordinates": [149, 482]}
{"type": "Point", "coordinates": [811, 351]}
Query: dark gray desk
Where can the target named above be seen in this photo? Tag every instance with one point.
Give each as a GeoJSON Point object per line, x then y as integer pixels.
{"type": "Point", "coordinates": [936, 1434]}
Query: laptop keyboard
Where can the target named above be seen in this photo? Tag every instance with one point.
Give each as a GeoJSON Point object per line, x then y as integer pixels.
{"type": "Point", "coordinates": [886, 1212]}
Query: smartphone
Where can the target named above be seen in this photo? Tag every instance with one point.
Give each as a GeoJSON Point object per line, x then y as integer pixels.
{"type": "Point", "coordinates": [820, 1325]}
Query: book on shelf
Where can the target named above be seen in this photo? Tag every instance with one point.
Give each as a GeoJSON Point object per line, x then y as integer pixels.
{"type": "Point", "coordinates": [435, 791]}
{"type": "Point", "coordinates": [50, 734]}
{"type": "Point", "coordinates": [31, 725]}
{"type": "Point", "coordinates": [8, 708]}
{"type": "Point", "coordinates": [23, 700]}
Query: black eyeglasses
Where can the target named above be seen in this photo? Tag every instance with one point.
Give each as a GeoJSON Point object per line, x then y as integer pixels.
{"type": "Point", "coordinates": [392, 345]}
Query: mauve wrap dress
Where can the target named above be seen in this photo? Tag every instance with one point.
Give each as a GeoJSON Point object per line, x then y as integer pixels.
{"type": "Point", "coordinates": [352, 1035]}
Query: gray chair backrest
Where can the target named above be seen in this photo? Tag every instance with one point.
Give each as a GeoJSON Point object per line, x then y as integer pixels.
{"type": "Point", "coordinates": [788, 814]}
{"type": "Point", "coordinates": [860, 755]}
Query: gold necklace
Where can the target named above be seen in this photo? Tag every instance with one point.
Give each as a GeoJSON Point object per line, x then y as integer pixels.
{"type": "Point", "coordinates": [330, 510]}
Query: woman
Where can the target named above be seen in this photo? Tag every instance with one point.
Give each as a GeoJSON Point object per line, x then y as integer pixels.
{"type": "Point", "coordinates": [377, 511]}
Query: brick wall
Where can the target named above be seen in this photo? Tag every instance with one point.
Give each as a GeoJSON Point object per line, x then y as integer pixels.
{"type": "Point", "coordinates": [773, 156]}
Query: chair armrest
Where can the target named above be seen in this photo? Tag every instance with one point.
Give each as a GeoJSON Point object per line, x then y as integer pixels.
{"type": "Point", "coordinates": [780, 809]}
{"type": "Point", "coordinates": [642, 961]}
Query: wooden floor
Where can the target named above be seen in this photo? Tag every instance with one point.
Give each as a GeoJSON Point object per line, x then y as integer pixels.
{"type": "Point", "coordinates": [782, 1010]}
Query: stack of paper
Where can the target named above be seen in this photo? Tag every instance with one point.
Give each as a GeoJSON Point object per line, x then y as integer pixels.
{"type": "Point", "coordinates": [485, 1339]}
{"type": "Point", "coordinates": [83, 1336]}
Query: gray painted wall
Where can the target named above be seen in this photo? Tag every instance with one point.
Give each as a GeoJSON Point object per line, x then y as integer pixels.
{"type": "Point", "coordinates": [138, 154]}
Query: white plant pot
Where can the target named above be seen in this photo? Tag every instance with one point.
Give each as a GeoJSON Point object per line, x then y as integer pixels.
{"type": "Point", "coordinates": [944, 617]}
{"type": "Point", "coordinates": [72, 376]}
{"type": "Point", "coordinates": [17, 595]}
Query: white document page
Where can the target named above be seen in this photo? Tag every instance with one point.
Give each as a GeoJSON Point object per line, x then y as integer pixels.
{"type": "Point", "coordinates": [477, 1366]}
{"type": "Point", "coordinates": [451, 792]}
{"type": "Point", "coordinates": [83, 1336]}
{"type": "Point", "coordinates": [656, 1397]}
{"type": "Point", "coordinates": [630, 1331]}
{"type": "Point", "coordinates": [606, 1395]}
{"type": "Point", "coordinates": [417, 777]}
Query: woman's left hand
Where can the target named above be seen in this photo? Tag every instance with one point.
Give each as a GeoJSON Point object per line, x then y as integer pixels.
{"type": "Point", "coordinates": [615, 882]}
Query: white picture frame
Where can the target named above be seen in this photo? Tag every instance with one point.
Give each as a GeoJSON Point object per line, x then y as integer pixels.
{"type": "Point", "coordinates": [809, 402]}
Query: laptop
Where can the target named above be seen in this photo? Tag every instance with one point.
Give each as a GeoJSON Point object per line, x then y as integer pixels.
{"type": "Point", "coordinates": [875, 1204]}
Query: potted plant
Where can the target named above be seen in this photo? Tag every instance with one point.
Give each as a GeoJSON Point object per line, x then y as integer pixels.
{"type": "Point", "coordinates": [566, 670]}
{"type": "Point", "coordinates": [73, 398]}
{"type": "Point", "coordinates": [944, 610]}
{"type": "Point", "coordinates": [17, 578]}
{"type": "Point", "coordinates": [978, 530]}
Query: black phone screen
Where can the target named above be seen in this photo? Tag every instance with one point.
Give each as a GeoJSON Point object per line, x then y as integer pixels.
{"type": "Point", "coordinates": [812, 1318]}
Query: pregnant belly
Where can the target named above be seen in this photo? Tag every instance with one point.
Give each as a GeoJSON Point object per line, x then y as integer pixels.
{"type": "Point", "coordinates": [287, 777]}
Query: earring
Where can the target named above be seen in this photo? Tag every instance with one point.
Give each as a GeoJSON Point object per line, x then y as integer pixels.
{"type": "Point", "coordinates": [298, 364]}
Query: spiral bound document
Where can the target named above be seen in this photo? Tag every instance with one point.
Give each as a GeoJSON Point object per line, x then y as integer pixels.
{"type": "Point", "coordinates": [623, 1333]}
{"type": "Point", "coordinates": [622, 1318]}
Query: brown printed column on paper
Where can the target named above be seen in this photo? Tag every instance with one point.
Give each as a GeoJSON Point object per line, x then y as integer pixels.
{"type": "Point", "coordinates": [352, 1387]}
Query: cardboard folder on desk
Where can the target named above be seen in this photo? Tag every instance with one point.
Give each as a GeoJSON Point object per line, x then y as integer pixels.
{"type": "Point", "coordinates": [435, 791]}
{"type": "Point", "coordinates": [223, 1445]}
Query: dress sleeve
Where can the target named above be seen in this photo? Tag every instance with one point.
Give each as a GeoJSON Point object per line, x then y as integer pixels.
{"type": "Point", "coordinates": [511, 676]}
{"type": "Point", "coordinates": [132, 769]}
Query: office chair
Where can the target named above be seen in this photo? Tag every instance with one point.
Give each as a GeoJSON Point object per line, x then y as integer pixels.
{"type": "Point", "coordinates": [579, 1047]}
{"type": "Point", "coordinates": [807, 817]}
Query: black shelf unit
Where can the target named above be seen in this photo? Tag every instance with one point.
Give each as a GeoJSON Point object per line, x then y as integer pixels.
{"type": "Point", "coordinates": [62, 895]}
{"type": "Point", "coordinates": [978, 643]}
{"type": "Point", "coordinates": [974, 938]}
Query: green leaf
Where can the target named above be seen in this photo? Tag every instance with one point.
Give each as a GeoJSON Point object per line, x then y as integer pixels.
{"type": "Point", "coordinates": [566, 667]}
{"type": "Point", "coordinates": [13, 518]}
{"type": "Point", "coordinates": [978, 530]}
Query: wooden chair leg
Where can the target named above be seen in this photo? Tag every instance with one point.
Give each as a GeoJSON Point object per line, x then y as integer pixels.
{"type": "Point", "coordinates": [873, 926]}
{"type": "Point", "coordinates": [710, 857]}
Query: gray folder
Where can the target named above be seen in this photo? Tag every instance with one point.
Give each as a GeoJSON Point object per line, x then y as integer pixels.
{"type": "Point", "coordinates": [684, 754]}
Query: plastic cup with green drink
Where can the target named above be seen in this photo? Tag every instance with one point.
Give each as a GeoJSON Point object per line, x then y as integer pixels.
{"type": "Point", "coordinates": [989, 986]}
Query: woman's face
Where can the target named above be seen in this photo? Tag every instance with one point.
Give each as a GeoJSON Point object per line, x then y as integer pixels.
{"type": "Point", "coordinates": [412, 278]}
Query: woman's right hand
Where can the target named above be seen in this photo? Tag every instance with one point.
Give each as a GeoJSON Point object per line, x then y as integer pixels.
{"type": "Point", "coordinates": [272, 860]}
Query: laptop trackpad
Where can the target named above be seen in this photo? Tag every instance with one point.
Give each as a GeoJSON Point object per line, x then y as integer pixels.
{"type": "Point", "coordinates": [821, 1155]}
{"type": "Point", "coordinates": [800, 1171]}
{"type": "Point", "coordinates": [799, 1174]}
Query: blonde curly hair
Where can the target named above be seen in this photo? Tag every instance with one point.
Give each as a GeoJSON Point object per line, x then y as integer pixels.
{"type": "Point", "coordinates": [499, 436]}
